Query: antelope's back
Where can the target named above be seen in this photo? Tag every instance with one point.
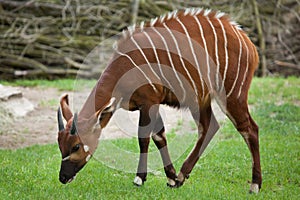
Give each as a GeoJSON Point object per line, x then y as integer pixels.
{"type": "Point", "coordinates": [203, 48]}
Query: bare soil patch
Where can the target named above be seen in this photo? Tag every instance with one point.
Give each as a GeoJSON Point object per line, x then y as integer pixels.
{"type": "Point", "coordinates": [40, 125]}
{"type": "Point", "coordinates": [37, 127]}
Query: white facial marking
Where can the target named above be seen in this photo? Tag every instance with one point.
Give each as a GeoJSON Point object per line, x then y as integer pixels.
{"type": "Point", "coordinates": [86, 148]}
{"type": "Point", "coordinates": [66, 158]}
{"type": "Point", "coordinates": [88, 158]}
{"type": "Point", "coordinates": [138, 181]}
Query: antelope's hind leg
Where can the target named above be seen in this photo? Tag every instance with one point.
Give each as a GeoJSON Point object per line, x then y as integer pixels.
{"type": "Point", "coordinates": [160, 141]}
{"type": "Point", "coordinates": [207, 127]}
{"type": "Point", "coordinates": [249, 131]}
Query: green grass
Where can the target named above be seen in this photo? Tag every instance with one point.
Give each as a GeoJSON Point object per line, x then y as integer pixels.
{"type": "Point", "coordinates": [224, 173]}
{"type": "Point", "coordinates": [60, 84]}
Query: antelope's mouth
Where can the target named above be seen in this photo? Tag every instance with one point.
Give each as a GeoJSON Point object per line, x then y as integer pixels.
{"type": "Point", "coordinates": [71, 179]}
{"type": "Point", "coordinates": [65, 180]}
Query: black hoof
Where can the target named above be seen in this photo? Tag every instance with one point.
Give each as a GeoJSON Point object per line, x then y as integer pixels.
{"type": "Point", "coordinates": [137, 185]}
{"type": "Point", "coordinates": [171, 186]}
{"type": "Point", "coordinates": [178, 183]}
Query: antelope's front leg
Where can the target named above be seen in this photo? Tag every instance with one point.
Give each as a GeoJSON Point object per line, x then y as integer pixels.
{"type": "Point", "coordinates": [147, 120]}
{"type": "Point", "coordinates": [160, 140]}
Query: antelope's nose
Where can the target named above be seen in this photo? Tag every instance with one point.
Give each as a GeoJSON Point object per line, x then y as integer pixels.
{"type": "Point", "coordinates": [63, 179]}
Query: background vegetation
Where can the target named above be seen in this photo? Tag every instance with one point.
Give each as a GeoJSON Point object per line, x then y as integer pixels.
{"type": "Point", "coordinates": [50, 38]}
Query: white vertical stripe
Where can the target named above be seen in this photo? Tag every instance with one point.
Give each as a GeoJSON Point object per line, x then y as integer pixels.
{"type": "Point", "coordinates": [239, 61]}
{"type": "Point", "coordinates": [194, 55]}
{"type": "Point", "coordinates": [226, 54]}
{"type": "Point", "coordinates": [216, 52]}
{"type": "Point", "coordinates": [171, 62]}
{"type": "Point", "coordinates": [157, 60]}
{"type": "Point", "coordinates": [247, 66]}
{"type": "Point", "coordinates": [205, 48]}
{"type": "Point", "coordinates": [142, 52]}
{"type": "Point", "coordinates": [181, 60]}
{"type": "Point", "coordinates": [147, 78]}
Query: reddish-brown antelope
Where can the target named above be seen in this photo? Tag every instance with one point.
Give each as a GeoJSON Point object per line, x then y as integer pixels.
{"type": "Point", "coordinates": [183, 59]}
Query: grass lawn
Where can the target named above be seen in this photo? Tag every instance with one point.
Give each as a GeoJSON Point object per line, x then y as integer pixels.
{"type": "Point", "coordinates": [224, 173]}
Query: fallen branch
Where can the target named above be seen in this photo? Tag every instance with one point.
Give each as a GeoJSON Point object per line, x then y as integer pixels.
{"type": "Point", "coordinates": [286, 64]}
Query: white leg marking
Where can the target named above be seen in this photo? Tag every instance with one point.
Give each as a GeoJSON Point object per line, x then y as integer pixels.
{"type": "Point", "coordinates": [171, 62]}
{"type": "Point", "coordinates": [181, 60]}
{"type": "Point", "coordinates": [138, 181]}
{"type": "Point", "coordinates": [157, 59]}
{"type": "Point", "coordinates": [254, 188]}
{"type": "Point", "coordinates": [142, 52]}
{"type": "Point", "coordinates": [194, 55]}
{"type": "Point", "coordinates": [205, 48]}
{"type": "Point", "coordinates": [147, 78]}
{"type": "Point", "coordinates": [216, 52]}
{"type": "Point", "coordinates": [226, 54]}
{"type": "Point", "coordinates": [180, 177]}
{"type": "Point", "coordinates": [171, 182]}
{"type": "Point", "coordinates": [157, 137]}
{"type": "Point", "coordinates": [239, 61]}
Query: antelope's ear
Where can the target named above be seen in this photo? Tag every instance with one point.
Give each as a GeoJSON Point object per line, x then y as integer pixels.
{"type": "Point", "coordinates": [66, 111]}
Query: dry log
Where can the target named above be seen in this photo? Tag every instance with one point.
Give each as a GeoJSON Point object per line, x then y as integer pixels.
{"type": "Point", "coordinates": [286, 64]}
{"type": "Point", "coordinates": [38, 38]}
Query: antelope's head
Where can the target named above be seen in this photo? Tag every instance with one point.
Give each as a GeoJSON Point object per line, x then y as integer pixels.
{"type": "Point", "coordinates": [77, 140]}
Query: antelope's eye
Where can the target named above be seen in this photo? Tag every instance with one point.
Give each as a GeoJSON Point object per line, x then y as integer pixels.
{"type": "Point", "coordinates": [75, 148]}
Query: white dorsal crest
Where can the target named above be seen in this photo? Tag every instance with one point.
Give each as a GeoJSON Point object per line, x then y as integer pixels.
{"type": "Point", "coordinates": [170, 14]}
{"type": "Point", "coordinates": [173, 15]}
{"type": "Point", "coordinates": [199, 10]}
{"type": "Point", "coordinates": [142, 24]}
{"type": "Point", "coordinates": [162, 18]}
{"type": "Point", "coordinates": [187, 11]}
{"type": "Point", "coordinates": [131, 29]}
{"type": "Point", "coordinates": [219, 14]}
{"type": "Point", "coordinates": [206, 12]}
{"type": "Point", "coordinates": [153, 21]}
{"type": "Point", "coordinates": [236, 25]}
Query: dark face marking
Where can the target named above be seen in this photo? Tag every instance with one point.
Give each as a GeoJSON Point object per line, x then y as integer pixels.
{"type": "Point", "coordinates": [73, 156]}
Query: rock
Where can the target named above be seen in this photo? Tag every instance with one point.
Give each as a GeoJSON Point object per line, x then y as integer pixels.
{"type": "Point", "coordinates": [13, 102]}
{"type": "Point", "coordinates": [7, 92]}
